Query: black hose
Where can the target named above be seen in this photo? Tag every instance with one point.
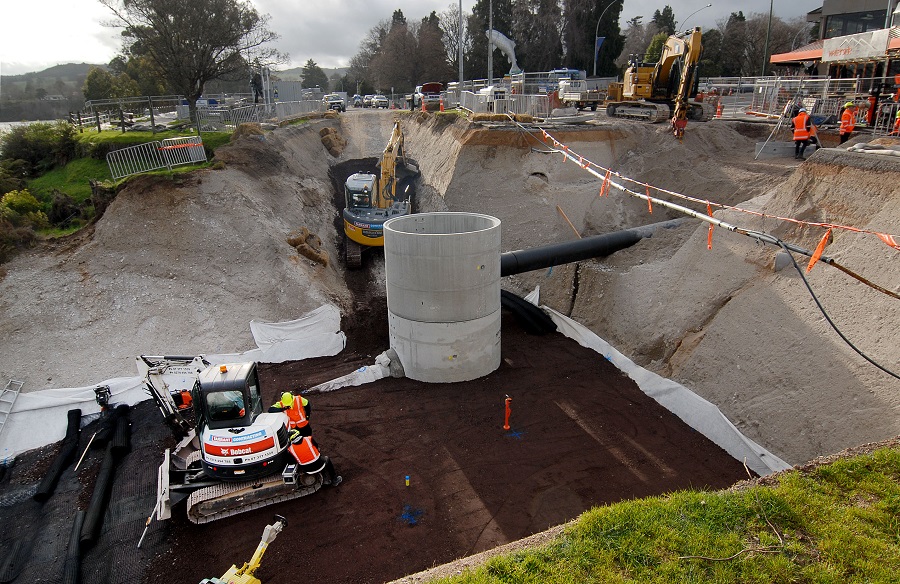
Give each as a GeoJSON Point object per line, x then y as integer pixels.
{"type": "Point", "coordinates": [93, 518]}
{"type": "Point", "coordinates": [534, 320]}
{"type": "Point", "coordinates": [67, 453]}
{"type": "Point", "coordinates": [72, 566]}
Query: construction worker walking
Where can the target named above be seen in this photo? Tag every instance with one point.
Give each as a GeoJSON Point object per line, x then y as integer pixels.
{"type": "Point", "coordinates": [802, 126]}
{"type": "Point", "coordinates": [310, 461]}
{"type": "Point", "coordinates": [298, 412]}
{"type": "Point", "coordinates": [896, 130]}
{"type": "Point", "coordinates": [848, 121]}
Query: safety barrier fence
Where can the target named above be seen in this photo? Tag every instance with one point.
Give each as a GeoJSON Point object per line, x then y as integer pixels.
{"type": "Point", "coordinates": [885, 118]}
{"type": "Point", "coordinates": [535, 105]}
{"type": "Point", "coordinates": [155, 155]}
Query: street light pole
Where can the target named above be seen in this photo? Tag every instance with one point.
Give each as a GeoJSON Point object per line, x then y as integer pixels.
{"type": "Point", "coordinates": [766, 49]}
{"type": "Point", "coordinates": [691, 14]}
{"type": "Point", "coordinates": [597, 35]}
{"type": "Point", "coordinates": [460, 47]}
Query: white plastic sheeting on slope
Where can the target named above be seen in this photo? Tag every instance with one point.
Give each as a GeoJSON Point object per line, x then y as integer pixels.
{"type": "Point", "coordinates": [40, 418]}
{"type": "Point", "coordinates": [693, 410]}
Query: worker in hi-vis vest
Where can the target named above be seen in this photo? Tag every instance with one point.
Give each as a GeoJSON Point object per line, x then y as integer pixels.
{"type": "Point", "coordinates": [848, 121]}
{"type": "Point", "coordinates": [802, 125]}
{"type": "Point", "coordinates": [310, 461]}
{"type": "Point", "coordinates": [298, 412]}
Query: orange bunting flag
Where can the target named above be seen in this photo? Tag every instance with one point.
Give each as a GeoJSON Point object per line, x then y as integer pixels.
{"type": "Point", "coordinates": [649, 203]}
{"type": "Point", "coordinates": [818, 253]}
{"type": "Point", "coordinates": [709, 235]}
{"type": "Point", "coordinates": [889, 239]}
{"type": "Point", "coordinates": [604, 188]}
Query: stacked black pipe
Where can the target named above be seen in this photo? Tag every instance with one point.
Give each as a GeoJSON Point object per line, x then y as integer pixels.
{"type": "Point", "coordinates": [72, 566]}
{"type": "Point", "coordinates": [67, 453]}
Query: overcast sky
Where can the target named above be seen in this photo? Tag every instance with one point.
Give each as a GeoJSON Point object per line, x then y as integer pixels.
{"type": "Point", "coordinates": [37, 34]}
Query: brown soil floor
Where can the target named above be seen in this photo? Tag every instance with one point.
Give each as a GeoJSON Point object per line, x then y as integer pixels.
{"type": "Point", "coordinates": [579, 439]}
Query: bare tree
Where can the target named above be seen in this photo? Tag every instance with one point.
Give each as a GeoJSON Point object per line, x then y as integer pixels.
{"type": "Point", "coordinates": [637, 39]}
{"type": "Point", "coordinates": [195, 42]}
{"type": "Point", "coordinates": [449, 23]}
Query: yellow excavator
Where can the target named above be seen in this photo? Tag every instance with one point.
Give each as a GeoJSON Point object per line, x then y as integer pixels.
{"type": "Point", "coordinates": [370, 200]}
{"type": "Point", "coordinates": [662, 91]}
{"type": "Point", "coordinates": [245, 574]}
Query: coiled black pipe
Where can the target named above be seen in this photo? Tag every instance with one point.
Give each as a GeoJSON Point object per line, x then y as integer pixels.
{"type": "Point", "coordinates": [121, 442]}
{"type": "Point", "coordinates": [67, 453]}
{"type": "Point", "coordinates": [537, 258]}
{"type": "Point", "coordinates": [72, 566]}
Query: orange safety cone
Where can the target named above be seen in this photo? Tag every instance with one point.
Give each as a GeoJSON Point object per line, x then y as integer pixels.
{"type": "Point", "coordinates": [423, 106]}
{"type": "Point", "coordinates": [719, 110]}
{"type": "Point", "coordinates": [442, 104]}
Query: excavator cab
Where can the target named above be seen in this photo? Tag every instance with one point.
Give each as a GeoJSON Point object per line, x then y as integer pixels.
{"type": "Point", "coordinates": [227, 396]}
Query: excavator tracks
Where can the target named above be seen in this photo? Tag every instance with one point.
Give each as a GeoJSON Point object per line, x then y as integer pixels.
{"type": "Point", "coordinates": [352, 253]}
{"type": "Point", "coordinates": [639, 110]}
{"type": "Point", "coordinates": [227, 499]}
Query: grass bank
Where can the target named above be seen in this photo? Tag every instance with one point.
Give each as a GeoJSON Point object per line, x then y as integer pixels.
{"type": "Point", "coordinates": [834, 523]}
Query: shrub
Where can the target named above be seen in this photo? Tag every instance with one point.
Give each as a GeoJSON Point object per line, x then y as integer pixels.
{"type": "Point", "coordinates": [40, 146]}
{"type": "Point", "coordinates": [21, 209]}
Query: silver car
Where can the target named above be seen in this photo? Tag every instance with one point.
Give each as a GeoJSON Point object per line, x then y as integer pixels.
{"type": "Point", "coordinates": [380, 101]}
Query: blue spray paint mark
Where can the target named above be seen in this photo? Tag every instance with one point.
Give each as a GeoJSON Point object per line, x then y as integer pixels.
{"type": "Point", "coordinates": [410, 516]}
{"type": "Point", "coordinates": [515, 434]}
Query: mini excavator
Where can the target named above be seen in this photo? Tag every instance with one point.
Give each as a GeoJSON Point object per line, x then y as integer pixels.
{"type": "Point", "coordinates": [232, 455]}
{"type": "Point", "coordinates": [245, 574]}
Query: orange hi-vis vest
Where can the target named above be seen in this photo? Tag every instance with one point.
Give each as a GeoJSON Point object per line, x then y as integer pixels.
{"type": "Point", "coordinates": [307, 455]}
{"type": "Point", "coordinates": [801, 132]}
{"type": "Point", "coordinates": [296, 414]}
{"type": "Point", "coordinates": [848, 121]}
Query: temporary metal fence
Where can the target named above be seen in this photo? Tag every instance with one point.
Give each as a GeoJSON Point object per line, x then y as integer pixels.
{"type": "Point", "coordinates": [885, 118]}
{"type": "Point", "coordinates": [820, 96]}
{"type": "Point", "coordinates": [479, 103]}
{"type": "Point", "coordinates": [155, 155]}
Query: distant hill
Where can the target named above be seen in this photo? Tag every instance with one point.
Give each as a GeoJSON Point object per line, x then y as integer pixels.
{"type": "Point", "coordinates": [67, 72]}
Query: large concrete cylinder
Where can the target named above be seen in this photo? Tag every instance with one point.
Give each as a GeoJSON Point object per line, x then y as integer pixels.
{"type": "Point", "coordinates": [442, 272]}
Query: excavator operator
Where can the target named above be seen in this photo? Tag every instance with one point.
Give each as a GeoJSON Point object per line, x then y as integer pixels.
{"type": "Point", "coordinates": [298, 412]}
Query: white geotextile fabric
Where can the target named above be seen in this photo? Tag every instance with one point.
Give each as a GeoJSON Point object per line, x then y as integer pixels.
{"type": "Point", "coordinates": [40, 418]}
{"type": "Point", "coordinates": [365, 374]}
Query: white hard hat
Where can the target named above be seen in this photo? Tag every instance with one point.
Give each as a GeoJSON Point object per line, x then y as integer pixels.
{"type": "Point", "coordinates": [802, 109]}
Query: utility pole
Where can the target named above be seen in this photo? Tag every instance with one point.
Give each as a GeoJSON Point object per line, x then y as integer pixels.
{"type": "Point", "coordinates": [490, 43]}
{"type": "Point", "coordinates": [460, 48]}
{"type": "Point", "coordinates": [766, 50]}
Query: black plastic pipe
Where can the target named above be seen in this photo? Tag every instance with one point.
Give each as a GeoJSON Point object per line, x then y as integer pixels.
{"type": "Point", "coordinates": [93, 518]}
{"type": "Point", "coordinates": [537, 258]}
{"type": "Point", "coordinates": [67, 453]}
{"type": "Point", "coordinates": [72, 566]}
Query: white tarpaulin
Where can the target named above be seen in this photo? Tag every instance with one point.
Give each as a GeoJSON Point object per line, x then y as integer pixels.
{"type": "Point", "coordinates": [40, 418]}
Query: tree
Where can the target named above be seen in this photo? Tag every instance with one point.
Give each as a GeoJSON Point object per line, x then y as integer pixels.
{"type": "Point", "coordinates": [665, 20]}
{"type": "Point", "coordinates": [637, 38]}
{"type": "Point", "coordinates": [654, 49]}
{"type": "Point", "coordinates": [194, 42]}
{"type": "Point", "coordinates": [536, 29]}
{"type": "Point", "coordinates": [449, 24]}
{"type": "Point", "coordinates": [710, 61]}
{"type": "Point", "coordinates": [313, 76]}
{"type": "Point", "coordinates": [581, 23]}
{"type": "Point", "coordinates": [478, 24]}
{"type": "Point", "coordinates": [98, 84]}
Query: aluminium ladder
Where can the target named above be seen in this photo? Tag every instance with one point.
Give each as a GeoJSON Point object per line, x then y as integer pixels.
{"type": "Point", "coordinates": [7, 399]}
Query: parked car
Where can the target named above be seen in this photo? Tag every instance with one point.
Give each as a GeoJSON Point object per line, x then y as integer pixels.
{"type": "Point", "coordinates": [380, 101]}
{"type": "Point", "coordinates": [333, 101]}
{"type": "Point", "coordinates": [367, 100]}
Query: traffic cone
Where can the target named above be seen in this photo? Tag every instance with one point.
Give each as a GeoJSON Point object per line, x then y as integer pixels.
{"type": "Point", "coordinates": [423, 106]}
{"type": "Point", "coordinates": [719, 110]}
{"type": "Point", "coordinates": [442, 104]}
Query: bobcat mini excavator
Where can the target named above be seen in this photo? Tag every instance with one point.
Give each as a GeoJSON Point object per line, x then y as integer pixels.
{"type": "Point", "coordinates": [370, 200]}
{"type": "Point", "coordinates": [232, 457]}
{"type": "Point", "coordinates": [661, 91]}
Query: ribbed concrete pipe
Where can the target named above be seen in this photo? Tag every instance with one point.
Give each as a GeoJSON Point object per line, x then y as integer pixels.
{"type": "Point", "coordinates": [443, 294]}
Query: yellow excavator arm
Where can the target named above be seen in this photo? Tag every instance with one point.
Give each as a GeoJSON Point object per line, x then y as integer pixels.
{"type": "Point", "coordinates": [690, 48]}
{"type": "Point", "coordinates": [387, 184]}
{"type": "Point", "coordinates": [245, 574]}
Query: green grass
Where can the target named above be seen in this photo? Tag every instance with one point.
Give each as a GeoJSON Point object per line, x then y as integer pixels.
{"type": "Point", "coordinates": [72, 179]}
{"type": "Point", "coordinates": [839, 523]}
